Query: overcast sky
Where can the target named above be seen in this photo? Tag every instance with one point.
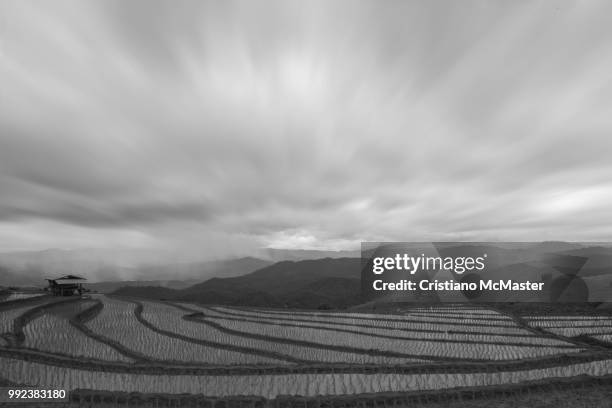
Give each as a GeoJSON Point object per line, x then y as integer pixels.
{"type": "Point", "coordinates": [219, 126]}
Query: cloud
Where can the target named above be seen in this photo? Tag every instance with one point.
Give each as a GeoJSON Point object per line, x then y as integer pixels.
{"type": "Point", "coordinates": [315, 124]}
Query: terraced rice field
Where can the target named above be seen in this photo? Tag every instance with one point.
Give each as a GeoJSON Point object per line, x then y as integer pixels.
{"type": "Point", "coordinates": [489, 345]}
{"type": "Point", "coordinates": [599, 327]}
{"type": "Point", "coordinates": [118, 323]}
{"type": "Point", "coordinates": [55, 334]}
{"type": "Point", "coordinates": [8, 316]}
{"type": "Point", "coordinates": [17, 296]}
{"type": "Point", "coordinates": [121, 345]}
{"type": "Point", "coordinates": [168, 318]}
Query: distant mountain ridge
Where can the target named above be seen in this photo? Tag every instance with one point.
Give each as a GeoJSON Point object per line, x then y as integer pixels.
{"type": "Point", "coordinates": [278, 254]}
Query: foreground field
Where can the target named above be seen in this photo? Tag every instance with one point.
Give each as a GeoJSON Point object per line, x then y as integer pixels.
{"type": "Point", "coordinates": [272, 386]}
{"type": "Point", "coordinates": [100, 344]}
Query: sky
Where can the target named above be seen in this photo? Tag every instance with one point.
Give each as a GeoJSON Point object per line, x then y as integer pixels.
{"type": "Point", "coordinates": [218, 127]}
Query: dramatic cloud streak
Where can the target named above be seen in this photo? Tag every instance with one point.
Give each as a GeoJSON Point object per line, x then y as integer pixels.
{"type": "Point", "coordinates": [231, 125]}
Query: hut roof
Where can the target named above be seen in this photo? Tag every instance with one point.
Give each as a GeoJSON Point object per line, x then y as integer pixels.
{"type": "Point", "coordinates": [67, 280]}
{"type": "Point", "coordinates": [70, 277]}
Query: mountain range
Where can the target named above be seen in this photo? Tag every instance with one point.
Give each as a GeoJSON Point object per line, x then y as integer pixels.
{"type": "Point", "coordinates": [336, 283]}
{"type": "Point", "coordinates": [321, 283]}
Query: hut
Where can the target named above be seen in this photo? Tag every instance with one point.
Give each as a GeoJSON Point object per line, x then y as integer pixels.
{"type": "Point", "coordinates": [67, 285]}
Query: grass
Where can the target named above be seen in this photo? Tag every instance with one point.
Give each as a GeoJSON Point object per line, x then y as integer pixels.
{"type": "Point", "coordinates": [596, 397]}
{"type": "Point", "coordinates": [599, 396]}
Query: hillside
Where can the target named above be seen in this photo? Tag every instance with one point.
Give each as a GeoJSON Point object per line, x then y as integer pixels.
{"type": "Point", "coordinates": [310, 284]}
